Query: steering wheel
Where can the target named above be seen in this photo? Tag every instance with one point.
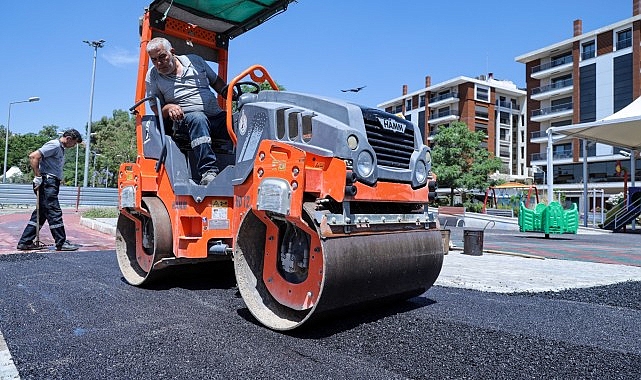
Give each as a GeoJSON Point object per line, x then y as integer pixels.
{"type": "Point", "coordinates": [238, 89]}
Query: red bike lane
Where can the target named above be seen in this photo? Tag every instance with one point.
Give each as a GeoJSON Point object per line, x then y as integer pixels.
{"type": "Point", "coordinates": [13, 222]}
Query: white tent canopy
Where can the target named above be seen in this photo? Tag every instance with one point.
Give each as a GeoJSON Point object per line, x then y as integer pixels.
{"type": "Point", "coordinates": [621, 129]}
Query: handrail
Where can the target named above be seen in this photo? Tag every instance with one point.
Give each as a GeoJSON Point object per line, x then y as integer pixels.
{"type": "Point", "coordinates": [161, 123]}
{"type": "Point", "coordinates": [251, 71]}
{"type": "Point", "coordinates": [623, 213]}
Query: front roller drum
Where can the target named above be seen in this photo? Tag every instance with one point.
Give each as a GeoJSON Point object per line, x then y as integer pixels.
{"type": "Point", "coordinates": [349, 270]}
{"type": "Point", "coordinates": [142, 241]}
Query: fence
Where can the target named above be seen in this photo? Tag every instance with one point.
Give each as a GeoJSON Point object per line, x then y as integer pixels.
{"type": "Point", "coordinates": [22, 195]}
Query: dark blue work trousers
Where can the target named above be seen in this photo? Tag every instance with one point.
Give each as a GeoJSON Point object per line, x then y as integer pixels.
{"type": "Point", "coordinates": [50, 211]}
{"type": "Point", "coordinates": [201, 129]}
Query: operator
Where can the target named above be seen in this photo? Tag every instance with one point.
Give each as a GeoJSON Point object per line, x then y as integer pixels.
{"type": "Point", "coordinates": [47, 163]}
{"type": "Point", "coordinates": [182, 82]}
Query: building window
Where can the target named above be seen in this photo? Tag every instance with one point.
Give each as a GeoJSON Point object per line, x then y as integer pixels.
{"type": "Point", "coordinates": [588, 50]}
{"type": "Point", "coordinates": [408, 105]}
{"type": "Point", "coordinates": [562, 151]}
{"type": "Point", "coordinates": [480, 127]}
{"type": "Point", "coordinates": [624, 39]}
{"type": "Point", "coordinates": [481, 112]}
{"type": "Point", "coordinates": [504, 134]}
{"type": "Point", "coordinates": [482, 93]}
{"type": "Point", "coordinates": [398, 108]}
{"type": "Point", "coordinates": [504, 118]}
{"type": "Point", "coordinates": [421, 101]}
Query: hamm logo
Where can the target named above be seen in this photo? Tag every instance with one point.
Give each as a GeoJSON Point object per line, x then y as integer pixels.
{"type": "Point", "coordinates": [392, 125]}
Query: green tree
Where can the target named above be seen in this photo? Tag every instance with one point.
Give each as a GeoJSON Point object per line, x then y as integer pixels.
{"type": "Point", "coordinates": [460, 162]}
{"type": "Point", "coordinates": [114, 140]}
{"type": "Point", "coordinates": [21, 145]}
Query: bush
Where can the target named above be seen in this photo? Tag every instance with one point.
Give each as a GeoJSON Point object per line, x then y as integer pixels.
{"type": "Point", "coordinates": [473, 206]}
{"type": "Point", "coordinates": [101, 212]}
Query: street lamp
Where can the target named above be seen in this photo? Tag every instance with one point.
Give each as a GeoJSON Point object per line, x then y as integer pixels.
{"type": "Point", "coordinates": [6, 140]}
{"type": "Point", "coordinates": [95, 45]}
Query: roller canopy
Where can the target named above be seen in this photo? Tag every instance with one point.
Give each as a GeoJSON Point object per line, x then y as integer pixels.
{"type": "Point", "coordinates": [229, 18]}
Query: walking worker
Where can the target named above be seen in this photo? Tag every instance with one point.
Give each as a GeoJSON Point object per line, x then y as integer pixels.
{"type": "Point", "coordinates": [47, 163]}
{"type": "Point", "coordinates": [182, 83]}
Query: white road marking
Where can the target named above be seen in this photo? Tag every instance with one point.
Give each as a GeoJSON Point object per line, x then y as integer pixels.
{"type": "Point", "coordinates": [8, 370]}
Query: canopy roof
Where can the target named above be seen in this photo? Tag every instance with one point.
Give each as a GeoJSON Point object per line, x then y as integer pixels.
{"type": "Point", "coordinates": [621, 129]}
{"type": "Point", "coordinates": [230, 18]}
{"type": "Point", "coordinates": [512, 185]}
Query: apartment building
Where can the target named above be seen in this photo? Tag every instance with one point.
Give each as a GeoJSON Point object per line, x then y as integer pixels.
{"type": "Point", "coordinates": [496, 107]}
{"type": "Point", "coordinates": [582, 79]}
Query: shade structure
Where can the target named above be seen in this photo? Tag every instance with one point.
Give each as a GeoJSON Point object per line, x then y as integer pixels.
{"type": "Point", "coordinates": [622, 128]}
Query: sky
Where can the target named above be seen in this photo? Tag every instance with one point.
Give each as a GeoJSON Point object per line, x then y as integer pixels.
{"type": "Point", "coordinates": [316, 47]}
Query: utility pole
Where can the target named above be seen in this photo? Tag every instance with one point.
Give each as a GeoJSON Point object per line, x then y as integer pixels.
{"type": "Point", "coordinates": [95, 45]}
{"type": "Point", "coordinates": [6, 140]}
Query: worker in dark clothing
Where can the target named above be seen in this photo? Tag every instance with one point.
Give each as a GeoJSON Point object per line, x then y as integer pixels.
{"type": "Point", "coordinates": [47, 163]}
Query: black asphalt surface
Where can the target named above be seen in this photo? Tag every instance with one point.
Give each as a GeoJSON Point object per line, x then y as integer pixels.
{"type": "Point", "coordinates": [71, 316]}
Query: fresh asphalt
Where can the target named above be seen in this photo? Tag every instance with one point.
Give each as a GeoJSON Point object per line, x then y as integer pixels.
{"type": "Point", "coordinates": [70, 315]}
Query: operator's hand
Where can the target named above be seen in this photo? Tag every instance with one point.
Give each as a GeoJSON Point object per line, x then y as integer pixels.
{"type": "Point", "coordinates": [174, 112]}
{"type": "Point", "coordinates": [37, 181]}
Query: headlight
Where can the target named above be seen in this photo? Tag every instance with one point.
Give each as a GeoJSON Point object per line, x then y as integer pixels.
{"type": "Point", "coordinates": [364, 164]}
{"type": "Point", "coordinates": [428, 157]}
{"type": "Point", "coordinates": [352, 142]}
{"type": "Point", "coordinates": [420, 171]}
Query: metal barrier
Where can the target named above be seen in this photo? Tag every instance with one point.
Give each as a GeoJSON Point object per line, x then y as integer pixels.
{"type": "Point", "coordinates": [22, 195]}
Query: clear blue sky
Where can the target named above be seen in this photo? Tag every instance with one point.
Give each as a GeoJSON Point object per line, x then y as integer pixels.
{"type": "Point", "coordinates": [317, 46]}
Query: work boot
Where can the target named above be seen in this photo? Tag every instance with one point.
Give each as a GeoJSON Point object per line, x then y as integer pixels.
{"type": "Point", "coordinates": [208, 177]}
{"type": "Point", "coordinates": [67, 246]}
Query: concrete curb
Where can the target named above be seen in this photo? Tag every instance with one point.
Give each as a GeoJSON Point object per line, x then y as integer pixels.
{"type": "Point", "coordinates": [104, 225]}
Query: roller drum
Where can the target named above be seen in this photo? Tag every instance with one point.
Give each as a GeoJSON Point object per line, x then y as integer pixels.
{"type": "Point", "coordinates": [356, 269]}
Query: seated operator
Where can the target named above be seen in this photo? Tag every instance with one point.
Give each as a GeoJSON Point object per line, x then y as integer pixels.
{"type": "Point", "coordinates": [182, 83]}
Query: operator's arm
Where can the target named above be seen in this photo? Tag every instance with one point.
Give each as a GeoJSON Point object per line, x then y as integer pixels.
{"type": "Point", "coordinates": [218, 85]}
{"type": "Point", "coordinates": [34, 162]}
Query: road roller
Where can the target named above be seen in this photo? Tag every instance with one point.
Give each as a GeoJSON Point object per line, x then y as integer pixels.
{"type": "Point", "coordinates": [321, 204]}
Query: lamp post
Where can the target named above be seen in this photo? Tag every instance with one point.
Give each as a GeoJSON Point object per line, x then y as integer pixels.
{"type": "Point", "coordinates": [95, 45]}
{"type": "Point", "coordinates": [6, 140]}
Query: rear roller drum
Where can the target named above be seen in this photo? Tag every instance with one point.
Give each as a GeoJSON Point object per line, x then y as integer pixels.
{"type": "Point", "coordinates": [286, 274]}
{"type": "Point", "coordinates": [142, 240]}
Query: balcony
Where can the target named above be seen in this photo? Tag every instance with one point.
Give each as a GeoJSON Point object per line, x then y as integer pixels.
{"type": "Point", "coordinates": [557, 88]}
{"type": "Point", "coordinates": [443, 117]}
{"type": "Point", "coordinates": [542, 137]}
{"type": "Point", "coordinates": [557, 155]}
{"type": "Point", "coordinates": [507, 106]}
{"type": "Point", "coordinates": [443, 99]}
{"type": "Point", "coordinates": [553, 67]}
{"type": "Point", "coordinates": [553, 112]}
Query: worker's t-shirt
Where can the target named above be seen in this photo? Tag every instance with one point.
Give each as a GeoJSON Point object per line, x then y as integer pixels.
{"type": "Point", "coordinates": [53, 158]}
{"type": "Point", "coordinates": [191, 90]}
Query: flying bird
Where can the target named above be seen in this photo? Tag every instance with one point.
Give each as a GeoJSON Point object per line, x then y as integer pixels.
{"type": "Point", "coordinates": [357, 89]}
